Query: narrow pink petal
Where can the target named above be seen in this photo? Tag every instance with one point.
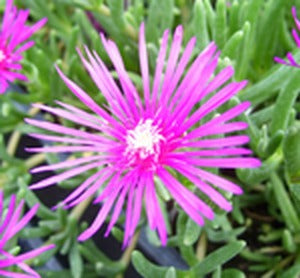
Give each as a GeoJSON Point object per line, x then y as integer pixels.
{"type": "Point", "coordinates": [98, 77]}
{"type": "Point", "coordinates": [129, 217]}
{"type": "Point", "coordinates": [214, 102]}
{"type": "Point", "coordinates": [228, 115]}
{"type": "Point", "coordinates": [281, 61]}
{"type": "Point", "coordinates": [70, 116]}
{"type": "Point", "coordinates": [296, 37]}
{"type": "Point", "coordinates": [38, 25]}
{"type": "Point", "coordinates": [109, 188]}
{"type": "Point", "coordinates": [125, 103]}
{"type": "Point", "coordinates": [180, 68]}
{"type": "Point", "coordinates": [66, 164]}
{"type": "Point", "coordinates": [93, 188]}
{"type": "Point", "coordinates": [292, 60]}
{"type": "Point", "coordinates": [11, 76]}
{"type": "Point", "coordinates": [137, 207]}
{"type": "Point", "coordinates": [10, 274]}
{"type": "Point", "coordinates": [215, 180]}
{"type": "Point", "coordinates": [64, 130]}
{"type": "Point", "coordinates": [82, 113]}
{"type": "Point", "coordinates": [66, 175]}
{"type": "Point", "coordinates": [7, 13]}
{"type": "Point", "coordinates": [1, 206]}
{"type": "Point", "coordinates": [194, 91]}
{"type": "Point", "coordinates": [159, 68]}
{"type": "Point", "coordinates": [240, 162]}
{"type": "Point", "coordinates": [19, 24]}
{"type": "Point", "coordinates": [9, 214]}
{"type": "Point", "coordinates": [213, 194]}
{"type": "Point", "coordinates": [186, 199]}
{"type": "Point", "coordinates": [26, 268]}
{"type": "Point", "coordinates": [23, 222]}
{"type": "Point", "coordinates": [218, 142]}
{"type": "Point", "coordinates": [215, 152]}
{"type": "Point", "coordinates": [172, 61]}
{"type": "Point", "coordinates": [9, 230]}
{"type": "Point", "coordinates": [153, 210]}
{"type": "Point", "coordinates": [144, 66]}
{"type": "Point", "coordinates": [213, 130]}
{"type": "Point", "coordinates": [88, 101]}
{"type": "Point", "coordinates": [220, 79]}
{"type": "Point", "coordinates": [24, 47]}
{"type": "Point", "coordinates": [150, 203]}
{"type": "Point", "coordinates": [14, 66]}
{"type": "Point", "coordinates": [32, 254]}
{"type": "Point", "coordinates": [194, 73]}
{"type": "Point", "coordinates": [127, 85]}
{"type": "Point", "coordinates": [99, 220]}
{"type": "Point", "coordinates": [3, 85]}
{"type": "Point", "coordinates": [63, 139]}
{"type": "Point", "coordinates": [66, 149]}
{"type": "Point", "coordinates": [81, 188]}
{"type": "Point", "coordinates": [118, 206]}
{"type": "Point", "coordinates": [294, 13]}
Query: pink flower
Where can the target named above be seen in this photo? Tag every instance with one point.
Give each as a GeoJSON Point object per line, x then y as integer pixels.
{"type": "Point", "coordinates": [291, 61]}
{"type": "Point", "coordinates": [162, 135]}
{"type": "Point", "coordinates": [10, 225]}
{"type": "Point", "coordinates": [13, 35]}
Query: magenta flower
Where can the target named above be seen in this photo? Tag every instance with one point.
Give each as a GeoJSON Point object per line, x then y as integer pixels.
{"type": "Point", "coordinates": [10, 225]}
{"type": "Point", "coordinates": [291, 61]}
{"type": "Point", "coordinates": [136, 140]}
{"type": "Point", "coordinates": [13, 35]}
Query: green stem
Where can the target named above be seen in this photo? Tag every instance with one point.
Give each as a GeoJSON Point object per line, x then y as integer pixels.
{"type": "Point", "coordinates": [201, 247]}
{"type": "Point", "coordinates": [103, 9]}
{"type": "Point", "coordinates": [284, 202]}
{"type": "Point", "coordinates": [79, 210]}
{"type": "Point", "coordinates": [279, 266]}
{"type": "Point", "coordinates": [35, 160]}
{"type": "Point", "coordinates": [126, 257]}
{"type": "Point", "coordinates": [13, 143]}
{"type": "Point", "coordinates": [129, 30]}
{"type": "Point", "coordinates": [14, 139]}
{"type": "Point", "coordinates": [271, 249]}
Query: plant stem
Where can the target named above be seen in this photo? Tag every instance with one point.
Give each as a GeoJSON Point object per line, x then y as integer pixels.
{"type": "Point", "coordinates": [125, 259]}
{"type": "Point", "coordinates": [35, 160]}
{"type": "Point", "coordinates": [16, 135]}
{"type": "Point", "coordinates": [285, 204]}
{"type": "Point", "coordinates": [103, 9]}
{"type": "Point", "coordinates": [79, 210]}
{"type": "Point", "coordinates": [128, 29]}
{"type": "Point", "coordinates": [279, 266]}
{"type": "Point", "coordinates": [201, 247]}
{"type": "Point", "coordinates": [13, 143]}
{"type": "Point", "coordinates": [271, 249]}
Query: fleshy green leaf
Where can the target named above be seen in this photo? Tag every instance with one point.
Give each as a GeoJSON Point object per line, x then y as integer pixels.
{"type": "Point", "coordinates": [284, 202]}
{"type": "Point", "coordinates": [291, 152]}
{"type": "Point", "coordinates": [76, 262]}
{"type": "Point", "coordinates": [150, 270]}
{"type": "Point", "coordinates": [218, 257]}
{"type": "Point", "coordinates": [158, 19]}
{"type": "Point", "coordinates": [285, 102]}
{"type": "Point", "coordinates": [232, 273]}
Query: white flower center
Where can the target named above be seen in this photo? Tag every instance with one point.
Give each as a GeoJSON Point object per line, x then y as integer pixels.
{"type": "Point", "coordinates": [2, 56]}
{"type": "Point", "coordinates": [143, 139]}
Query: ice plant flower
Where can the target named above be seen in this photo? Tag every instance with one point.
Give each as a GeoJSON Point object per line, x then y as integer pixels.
{"type": "Point", "coordinates": [11, 223]}
{"type": "Point", "coordinates": [14, 34]}
{"type": "Point", "coordinates": [291, 60]}
{"type": "Point", "coordinates": [137, 140]}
